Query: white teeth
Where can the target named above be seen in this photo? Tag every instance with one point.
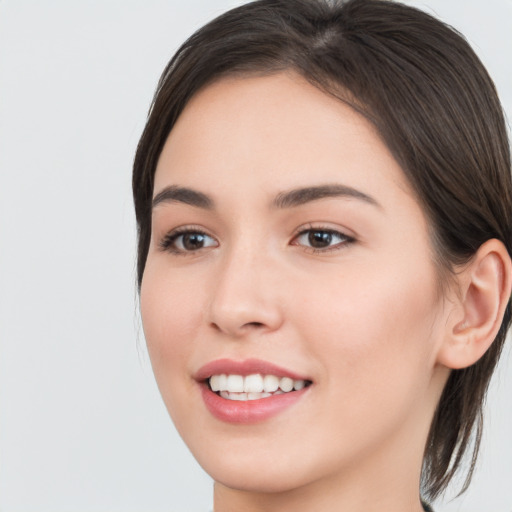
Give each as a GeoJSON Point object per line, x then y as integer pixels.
{"type": "Point", "coordinates": [286, 384]}
{"type": "Point", "coordinates": [214, 383]}
{"type": "Point", "coordinates": [223, 381]}
{"type": "Point", "coordinates": [253, 383]}
{"type": "Point", "coordinates": [245, 396]}
{"type": "Point", "coordinates": [254, 386]}
{"type": "Point", "coordinates": [270, 383]}
{"type": "Point", "coordinates": [218, 382]}
{"type": "Point", "coordinates": [257, 396]}
{"type": "Point", "coordinates": [298, 384]}
{"type": "Point", "coordinates": [235, 384]}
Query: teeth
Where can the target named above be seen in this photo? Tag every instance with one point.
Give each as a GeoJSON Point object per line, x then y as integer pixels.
{"type": "Point", "coordinates": [286, 384]}
{"type": "Point", "coordinates": [253, 387]}
{"type": "Point", "coordinates": [235, 384]}
{"type": "Point", "coordinates": [246, 396]}
{"type": "Point", "coordinates": [253, 383]}
{"type": "Point", "coordinates": [215, 382]}
{"type": "Point", "coordinates": [298, 384]}
{"type": "Point", "coordinates": [270, 383]}
{"type": "Point", "coordinates": [257, 396]}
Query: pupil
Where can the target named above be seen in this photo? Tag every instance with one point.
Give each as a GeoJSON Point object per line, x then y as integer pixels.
{"type": "Point", "coordinates": [319, 239]}
{"type": "Point", "coordinates": [192, 241]}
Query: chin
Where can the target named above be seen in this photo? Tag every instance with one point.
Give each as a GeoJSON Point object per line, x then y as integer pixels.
{"type": "Point", "coordinates": [259, 479]}
{"type": "Point", "coordinates": [260, 469]}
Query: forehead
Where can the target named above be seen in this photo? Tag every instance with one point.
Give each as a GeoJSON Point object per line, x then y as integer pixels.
{"type": "Point", "coordinates": [274, 132]}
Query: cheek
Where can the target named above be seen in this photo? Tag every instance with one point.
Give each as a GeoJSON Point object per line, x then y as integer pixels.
{"type": "Point", "coordinates": [371, 337]}
{"type": "Point", "coordinates": [170, 316]}
{"type": "Point", "coordinates": [374, 332]}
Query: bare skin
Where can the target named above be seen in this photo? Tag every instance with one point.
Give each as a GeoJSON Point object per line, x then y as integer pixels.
{"type": "Point", "coordinates": [359, 313]}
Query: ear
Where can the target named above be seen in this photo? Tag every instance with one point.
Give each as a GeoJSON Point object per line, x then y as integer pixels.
{"type": "Point", "coordinates": [484, 292]}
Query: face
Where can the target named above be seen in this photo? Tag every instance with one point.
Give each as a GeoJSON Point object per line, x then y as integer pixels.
{"type": "Point", "coordinates": [288, 250]}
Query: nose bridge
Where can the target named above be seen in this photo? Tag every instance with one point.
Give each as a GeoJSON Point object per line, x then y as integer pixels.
{"type": "Point", "coordinates": [245, 298]}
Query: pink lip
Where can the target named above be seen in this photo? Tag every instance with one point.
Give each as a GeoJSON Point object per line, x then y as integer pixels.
{"type": "Point", "coordinates": [250, 411]}
{"type": "Point", "coordinates": [246, 367]}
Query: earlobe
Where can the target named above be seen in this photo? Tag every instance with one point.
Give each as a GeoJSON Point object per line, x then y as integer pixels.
{"type": "Point", "coordinates": [485, 288]}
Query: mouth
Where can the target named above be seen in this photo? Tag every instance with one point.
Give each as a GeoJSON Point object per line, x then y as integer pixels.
{"type": "Point", "coordinates": [249, 391]}
{"type": "Point", "coordinates": [255, 386]}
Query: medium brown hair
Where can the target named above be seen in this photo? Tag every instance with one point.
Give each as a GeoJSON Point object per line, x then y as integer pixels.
{"type": "Point", "coordinates": [434, 105]}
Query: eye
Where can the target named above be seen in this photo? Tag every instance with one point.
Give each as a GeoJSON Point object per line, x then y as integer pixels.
{"type": "Point", "coordinates": [180, 242]}
{"type": "Point", "coordinates": [319, 239]}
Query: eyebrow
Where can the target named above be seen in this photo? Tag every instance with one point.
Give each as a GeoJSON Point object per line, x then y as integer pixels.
{"type": "Point", "coordinates": [176, 194]}
{"type": "Point", "coordinates": [299, 196]}
{"type": "Point", "coordinates": [288, 199]}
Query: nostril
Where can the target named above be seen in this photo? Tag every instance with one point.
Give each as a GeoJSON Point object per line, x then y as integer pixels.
{"type": "Point", "coordinates": [215, 326]}
{"type": "Point", "coordinates": [244, 328]}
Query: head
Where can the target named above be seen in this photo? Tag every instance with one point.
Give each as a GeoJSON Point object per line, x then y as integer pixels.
{"type": "Point", "coordinates": [415, 94]}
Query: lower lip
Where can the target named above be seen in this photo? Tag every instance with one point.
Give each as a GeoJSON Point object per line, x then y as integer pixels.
{"type": "Point", "coordinates": [249, 411]}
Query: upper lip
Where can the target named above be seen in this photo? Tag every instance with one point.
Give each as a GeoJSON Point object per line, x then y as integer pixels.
{"type": "Point", "coordinates": [245, 367]}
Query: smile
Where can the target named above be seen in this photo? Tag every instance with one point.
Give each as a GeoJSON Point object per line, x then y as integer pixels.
{"type": "Point", "coordinates": [249, 391]}
{"type": "Point", "coordinates": [253, 387]}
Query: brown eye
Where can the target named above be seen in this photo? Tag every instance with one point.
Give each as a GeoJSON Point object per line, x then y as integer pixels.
{"type": "Point", "coordinates": [319, 239]}
{"type": "Point", "coordinates": [193, 241]}
{"type": "Point", "coordinates": [322, 239]}
{"type": "Point", "coordinates": [187, 241]}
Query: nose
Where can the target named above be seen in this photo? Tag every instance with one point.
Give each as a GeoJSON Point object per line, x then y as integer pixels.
{"type": "Point", "coordinates": [246, 297]}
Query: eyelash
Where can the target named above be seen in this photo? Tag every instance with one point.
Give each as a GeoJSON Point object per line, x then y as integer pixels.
{"type": "Point", "coordinates": [345, 239]}
{"type": "Point", "coordinates": [168, 242]}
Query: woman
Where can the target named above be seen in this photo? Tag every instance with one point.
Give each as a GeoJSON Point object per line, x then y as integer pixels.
{"type": "Point", "coordinates": [323, 198]}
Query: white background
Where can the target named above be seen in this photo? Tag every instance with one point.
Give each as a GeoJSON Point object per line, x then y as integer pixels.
{"type": "Point", "coordinates": [82, 427]}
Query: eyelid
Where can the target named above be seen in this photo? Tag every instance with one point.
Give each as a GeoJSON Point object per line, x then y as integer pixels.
{"type": "Point", "coordinates": [302, 230]}
{"type": "Point", "coordinates": [166, 242]}
{"type": "Point", "coordinates": [324, 226]}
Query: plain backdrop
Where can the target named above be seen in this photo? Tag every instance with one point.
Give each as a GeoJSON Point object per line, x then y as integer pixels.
{"type": "Point", "coordinates": [82, 427]}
